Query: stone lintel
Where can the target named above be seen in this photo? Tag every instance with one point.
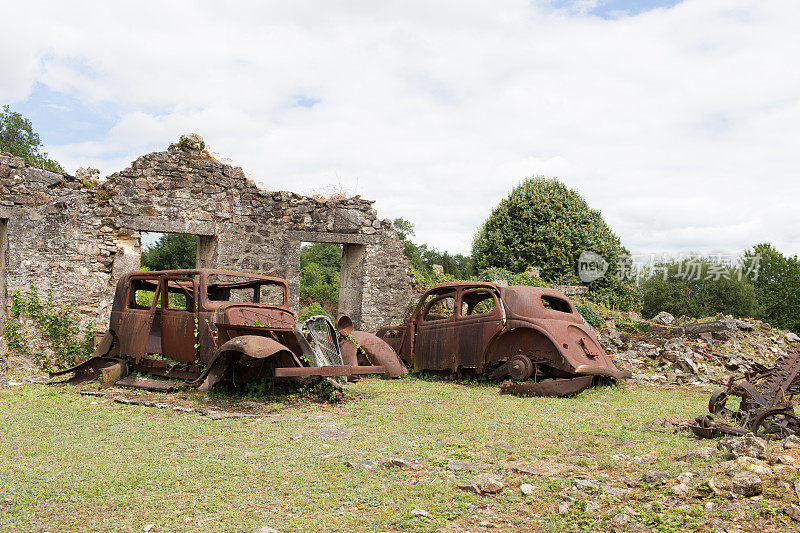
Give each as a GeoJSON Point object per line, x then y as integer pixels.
{"type": "Point", "coordinates": [338, 238]}
{"type": "Point", "coordinates": [166, 225]}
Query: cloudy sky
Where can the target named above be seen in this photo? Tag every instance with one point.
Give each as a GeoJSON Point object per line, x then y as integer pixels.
{"type": "Point", "coordinates": [679, 120]}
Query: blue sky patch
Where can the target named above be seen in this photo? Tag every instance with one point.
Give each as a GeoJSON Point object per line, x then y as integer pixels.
{"type": "Point", "coordinates": [613, 9]}
{"type": "Point", "coordinates": [60, 118]}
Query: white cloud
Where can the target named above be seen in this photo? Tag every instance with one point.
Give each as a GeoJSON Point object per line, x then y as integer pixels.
{"type": "Point", "coordinates": [679, 124]}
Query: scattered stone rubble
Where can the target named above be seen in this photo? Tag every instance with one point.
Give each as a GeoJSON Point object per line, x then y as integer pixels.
{"type": "Point", "coordinates": [704, 353]}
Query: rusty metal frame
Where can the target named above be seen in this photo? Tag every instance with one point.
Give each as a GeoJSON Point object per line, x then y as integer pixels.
{"type": "Point", "coordinates": [766, 405]}
{"type": "Point", "coordinates": [230, 342]}
{"type": "Point", "coordinates": [522, 341]}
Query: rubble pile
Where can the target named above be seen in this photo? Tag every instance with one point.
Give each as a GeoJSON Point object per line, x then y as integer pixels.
{"type": "Point", "coordinates": [707, 351]}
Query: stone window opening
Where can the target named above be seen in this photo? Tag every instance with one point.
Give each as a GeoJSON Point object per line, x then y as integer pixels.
{"type": "Point", "coordinates": [181, 250]}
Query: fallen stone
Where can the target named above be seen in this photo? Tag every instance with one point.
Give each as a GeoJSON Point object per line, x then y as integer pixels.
{"type": "Point", "coordinates": [664, 318]}
{"type": "Point", "coordinates": [761, 470]}
{"type": "Point", "coordinates": [698, 453]}
{"type": "Point", "coordinates": [420, 512]}
{"type": "Point", "coordinates": [266, 529]}
{"type": "Point", "coordinates": [748, 446]}
{"type": "Point", "coordinates": [792, 337]}
{"type": "Point", "coordinates": [682, 490]}
{"type": "Point", "coordinates": [617, 492]}
{"type": "Point", "coordinates": [484, 483]}
{"type": "Point", "coordinates": [564, 507]}
{"type": "Point", "coordinates": [717, 487]}
{"type": "Point", "coordinates": [792, 441]}
{"type": "Point", "coordinates": [593, 507]}
{"type": "Point", "coordinates": [403, 462]}
{"type": "Point", "coordinates": [746, 484]}
{"type": "Point", "coordinates": [792, 511]}
{"type": "Point", "coordinates": [149, 527]}
{"type": "Point", "coordinates": [527, 489]}
{"type": "Point", "coordinates": [685, 477]}
{"type": "Point", "coordinates": [620, 520]}
{"type": "Point", "coordinates": [583, 484]}
{"type": "Point", "coordinates": [654, 477]}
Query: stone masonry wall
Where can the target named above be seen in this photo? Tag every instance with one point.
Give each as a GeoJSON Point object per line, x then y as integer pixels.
{"type": "Point", "coordinates": [79, 234]}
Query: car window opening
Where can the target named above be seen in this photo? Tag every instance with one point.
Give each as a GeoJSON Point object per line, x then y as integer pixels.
{"type": "Point", "coordinates": [556, 304]}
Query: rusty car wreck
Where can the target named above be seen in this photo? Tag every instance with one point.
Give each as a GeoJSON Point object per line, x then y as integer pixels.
{"type": "Point", "coordinates": [202, 326]}
{"type": "Point", "coordinates": [531, 337]}
{"type": "Point", "coordinates": [765, 408]}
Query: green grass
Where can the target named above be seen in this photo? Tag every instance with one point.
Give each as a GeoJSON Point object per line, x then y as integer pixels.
{"type": "Point", "coordinates": [69, 465]}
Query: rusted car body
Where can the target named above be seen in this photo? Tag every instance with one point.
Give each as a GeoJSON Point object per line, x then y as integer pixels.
{"type": "Point", "coordinates": [202, 326]}
{"type": "Point", "coordinates": [531, 337]}
{"type": "Point", "coordinates": [766, 405]}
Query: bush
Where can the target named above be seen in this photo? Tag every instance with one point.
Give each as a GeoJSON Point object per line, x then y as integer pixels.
{"type": "Point", "coordinates": [698, 287]}
{"type": "Point", "coordinates": [544, 224]}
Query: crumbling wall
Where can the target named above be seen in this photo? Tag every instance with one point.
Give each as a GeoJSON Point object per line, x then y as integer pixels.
{"type": "Point", "coordinates": [79, 234]}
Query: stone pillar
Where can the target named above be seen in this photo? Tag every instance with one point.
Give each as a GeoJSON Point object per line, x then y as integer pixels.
{"type": "Point", "coordinates": [206, 251]}
{"type": "Point", "coordinates": [351, 287]}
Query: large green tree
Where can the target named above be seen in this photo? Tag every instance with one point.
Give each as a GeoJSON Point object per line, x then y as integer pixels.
{"type": "Point", "coordinates": [171, 251]}
{"type": "Point", "coordinates": [18, 138]}
{"type": "Point", "coordinates": [699, 287]}
{"type": "Point", "coordinates": [777, 281]}
{"type": "Point", "coordinates": [544, 224]}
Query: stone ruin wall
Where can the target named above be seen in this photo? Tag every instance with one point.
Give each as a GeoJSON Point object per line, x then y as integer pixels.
{"type": "Point", "coordinates": [78, 234]}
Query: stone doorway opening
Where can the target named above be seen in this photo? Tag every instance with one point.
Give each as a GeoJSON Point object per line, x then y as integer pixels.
{"type": "Point", "coordinates": [170, 251]}
{"type": "Point", "coordinates": [331, 274]}
{"type": "Point", "coordinates": [320, 274]}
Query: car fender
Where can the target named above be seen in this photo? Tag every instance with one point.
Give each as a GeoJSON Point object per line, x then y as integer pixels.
{"type": "Point", "coordinates": [254, 346]}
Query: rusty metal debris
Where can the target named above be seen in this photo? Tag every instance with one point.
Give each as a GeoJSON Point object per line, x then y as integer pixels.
{"type": "Point", "coordinates": [766, 407]}
{"type": "Point", "coordinates": [199, 327]}
{"type": "Point", "coordinates": [531, 337]}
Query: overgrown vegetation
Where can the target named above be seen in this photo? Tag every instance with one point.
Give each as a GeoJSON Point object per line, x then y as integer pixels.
{"type": "Point", "coordinates": [171, 251]}
{"type": "Point", "coordinates": [699, 287]}
{"type": "Point", "coordinates": [544, 224]}
{"type": "Point", "coordinates": [58, 327]}
{"type": "Point", "coordinates": [18, 138]}
{"type": "Point", "coordinates": [320, 267]}
{"type": "Point", "coordinates": [281, 470]}
{"type": "Point", "coordinates": [423, 258]}
{"type": "Point", "coordinates": [777, 286]}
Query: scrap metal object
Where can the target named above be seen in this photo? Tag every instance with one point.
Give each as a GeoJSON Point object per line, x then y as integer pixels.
{"type": "Point", "coordinates": [531, 336]}
{"type": "Point", "coordinates": [765, 408]}
{"type": "Point", "coordinates": [199, 327]}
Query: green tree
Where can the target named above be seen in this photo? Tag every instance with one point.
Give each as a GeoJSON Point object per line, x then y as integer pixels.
{"type": "Point", "coordinates": [698, 287]}
{"type": "Point", "coordinates": [777, 283]}
{"type": "Point", "coordinates": [423, 258]}
{"type": "Point", "coordinates": [18, 138]}
{"type": "Point", "coordinates": [171, 251]}
{"type": "Point", "coordinates": [320, 265]}
{"type": "Point", "coordinates": [544, 224]}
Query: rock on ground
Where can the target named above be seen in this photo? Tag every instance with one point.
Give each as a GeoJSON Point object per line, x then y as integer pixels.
{"type": "Point", "coordinates": [746, 446]}
{"type": "Point", "coordinates": [746, 484]}
{"type": "Point", "coordinates": [484, 484]}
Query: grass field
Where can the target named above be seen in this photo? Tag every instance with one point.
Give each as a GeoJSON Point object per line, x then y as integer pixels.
{"type": "Point", "coordinates": [70, 462]}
